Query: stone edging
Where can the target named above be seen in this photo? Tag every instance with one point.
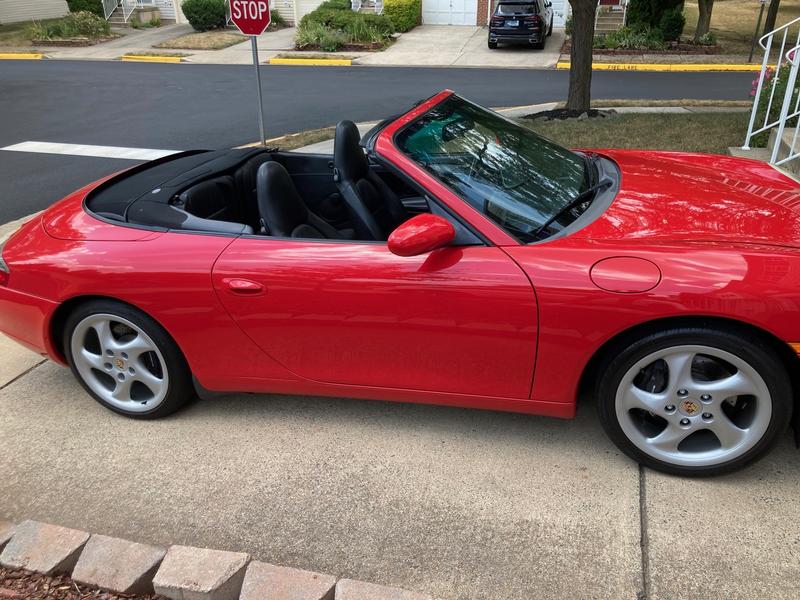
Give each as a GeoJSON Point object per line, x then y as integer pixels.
{"type": "Point", "coordinates": [178, 572]}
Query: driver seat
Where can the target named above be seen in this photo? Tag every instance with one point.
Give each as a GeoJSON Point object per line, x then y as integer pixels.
{"type": "Point", "coordinates": [374, 208]}
{"type": "Point", "coordinates": [281, 209]}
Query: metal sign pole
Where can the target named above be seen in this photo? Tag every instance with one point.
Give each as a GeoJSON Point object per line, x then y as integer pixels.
{"type": "Point", "coordinates": [263, 138]}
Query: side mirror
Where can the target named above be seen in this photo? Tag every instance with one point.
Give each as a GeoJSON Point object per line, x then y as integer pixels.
{"type": "Point", "coordinates": [421, 234]}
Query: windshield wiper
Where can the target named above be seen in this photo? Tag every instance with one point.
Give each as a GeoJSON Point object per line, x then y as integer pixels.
{"type": "Point", "coordinates": [586, 195]}
{"type": "Point", "coordinates": [590, 171]}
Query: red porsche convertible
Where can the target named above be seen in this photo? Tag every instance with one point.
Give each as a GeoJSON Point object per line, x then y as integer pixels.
{"type": "Point", "coordinates": [450, 256]}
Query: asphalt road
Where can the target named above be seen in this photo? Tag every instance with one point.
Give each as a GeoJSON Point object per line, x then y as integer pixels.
{"type": "Point", "coordinates": [190, 106]}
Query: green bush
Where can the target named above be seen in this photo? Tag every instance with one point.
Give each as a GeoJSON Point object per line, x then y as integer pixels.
{"type": "Point", "coordinates": [333, 24]}
{"type": "Point", "coordinates": [75, 25]}
{"type": "Point", "coordinates": [405, 14]}
{"type": "Point", "coordinates": [568, 25]}
{"type": "Point", "coordinates": [708, 39]}
{"type": "Point", "coordinates": [672, 23]}
{"type": "Point", "coordinates": [648, 13]}
{"type": "Point", "coordinates": [782, 75]}
{"type": "Point", "coordinates": [92, 6]}
{"type": "Point", "coordinates": [205, 14]}
{"type": "Point", "coordinates": [275, 18]}
{"type": "Point", "coordinates": [630, 38]}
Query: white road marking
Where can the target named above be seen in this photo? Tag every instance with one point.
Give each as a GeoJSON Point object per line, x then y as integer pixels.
{"type": "Point", "coordinates": [86, 150]}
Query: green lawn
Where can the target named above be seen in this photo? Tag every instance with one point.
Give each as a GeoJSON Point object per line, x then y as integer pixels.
{"type": "Point", "coordinates": [734, 21]}
{"type": "Point", "coordinates": [700, 132]}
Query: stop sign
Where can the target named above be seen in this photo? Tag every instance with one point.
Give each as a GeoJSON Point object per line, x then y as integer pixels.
{"type": "Point", "coordinates": [250, 16]}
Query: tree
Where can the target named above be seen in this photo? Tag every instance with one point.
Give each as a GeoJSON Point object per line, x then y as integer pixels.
{"type": "Point", "coordinates": [704, 20]}
{"type": "Point", "coordinates": [580, 55]}
{"type": "Point", "coordinates": [772, 15]}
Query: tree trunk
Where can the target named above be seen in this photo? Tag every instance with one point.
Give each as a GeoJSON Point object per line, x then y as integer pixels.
{"type": "Point", "coordinates": [704, 20]}
{"type": "Point", "coordinates": [772, 15]}
{"type": "Point", "coordinates": [580, 70]}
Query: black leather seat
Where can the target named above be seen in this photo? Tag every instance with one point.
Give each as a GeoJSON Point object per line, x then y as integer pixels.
{"type": "Point", "coordinates": [245, 178]}
{"type": "Point", "coordinates": [210, 199]}
{"type": "Point", "coordinates": [374, 208]}
{"type": "Point", "coordinates": [283, 212]}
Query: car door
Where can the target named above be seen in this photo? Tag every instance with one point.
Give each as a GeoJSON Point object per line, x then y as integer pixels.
{"type": "Point", "coordinates": [458, 319]}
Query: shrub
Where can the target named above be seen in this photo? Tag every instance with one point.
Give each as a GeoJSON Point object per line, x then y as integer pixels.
{"type": "Point", "coordinates": [672, 23]}
{"type": "Point", "coordinates": [74, 25]}
{"type": "Point", "coordinates": [782, 75]}
{"type": "Point", "coordinates": [568, 25]}
{"type": "Point", "coordinates": [648, 13]}
{"type": "Point", "coordinates": [708, 39]}
{"type": "Point", "coordinates": [629, 38]}
{"type": "Point", "coordinates": [275, 18]}
{"type": "Point", "coordinates": [404, 14]}
{"type": "Point", "coordinates": [92, 6]}
{"type": "Point", "coordinates": [333, 24]}
{"type": "Point", "coordinates": [205, 14]}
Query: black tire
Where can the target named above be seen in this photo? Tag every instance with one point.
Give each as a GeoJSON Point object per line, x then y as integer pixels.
{"type": "Point", "coordinates": [550, 30]}
{"type": "Point", "coordinates": [759, 355]}
{"type": "Point", "coordinates": [540, 45]}
{"type": "Point", "coordinates": [180, 388]}
{"type": "Point", "coordinates": [492, 45]}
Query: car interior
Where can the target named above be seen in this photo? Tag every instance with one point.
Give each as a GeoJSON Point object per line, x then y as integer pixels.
{"type": "Point", "coordinates": [266, 193]}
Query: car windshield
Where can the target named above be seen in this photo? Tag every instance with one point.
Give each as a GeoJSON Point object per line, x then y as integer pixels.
{"type": "Point", "coordinates": [516, 9]}
{"type": "Point", "coordinates": [515, 177]}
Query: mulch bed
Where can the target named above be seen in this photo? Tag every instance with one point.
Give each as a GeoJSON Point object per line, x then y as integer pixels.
{"type": "Point", "coordinates": [76, 42]}
{"type": "Point", "coordinates": [560, 114]}
{"type": "Point", "coordinates": [17, 584]}
{"type": "Point", "coordinates": [674, 49]}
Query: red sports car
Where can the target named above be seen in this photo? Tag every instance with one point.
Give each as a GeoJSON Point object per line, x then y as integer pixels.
{"type": "Point", "coordinates": [450, 256]}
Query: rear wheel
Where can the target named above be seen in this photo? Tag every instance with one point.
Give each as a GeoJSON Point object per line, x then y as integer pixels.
{"type": "Point", "coordinates": [695, 401]}
{"type": "Point", "coordinates": [492, 45]}
{"type": "Point", "coordinates": [550, 30]}
{"type": "Point", "coordinates": [126, 360]}
{"type": "Point", "coordinates": [540, 45]}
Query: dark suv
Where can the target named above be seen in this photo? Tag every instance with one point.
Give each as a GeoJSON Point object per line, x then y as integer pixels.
{"type": "Point", "coordinates": [521, 22]}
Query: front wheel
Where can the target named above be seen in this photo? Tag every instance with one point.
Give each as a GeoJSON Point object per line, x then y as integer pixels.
{"type": "Point", "coordinates": [695, 401]}
{"type": "Point", "coordinates": [126, 360]}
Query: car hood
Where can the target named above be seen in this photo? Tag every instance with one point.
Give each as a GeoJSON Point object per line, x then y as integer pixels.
{"type": "Point", "coordinates": [677, 196]}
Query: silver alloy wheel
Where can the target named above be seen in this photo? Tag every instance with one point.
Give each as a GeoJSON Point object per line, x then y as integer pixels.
{"type": "Point", "coordinates": [704, 406]}
{"type": "Point", "coordinates": [119, 362]}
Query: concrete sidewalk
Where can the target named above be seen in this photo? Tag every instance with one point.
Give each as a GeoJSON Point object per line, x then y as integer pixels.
{"type": "Point", "coordinates": [440, 45]}
{"type": "Point", "coordinates": [426, 45]}
{"type": "Point", "coordinates": [145, 40]}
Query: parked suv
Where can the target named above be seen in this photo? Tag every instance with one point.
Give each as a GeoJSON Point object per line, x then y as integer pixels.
{"type": "Point", "coordinates": [521, 22]}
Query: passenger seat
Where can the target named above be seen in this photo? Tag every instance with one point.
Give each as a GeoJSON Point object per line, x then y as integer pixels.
{"type": "Point", "coordinates": [283, 212]}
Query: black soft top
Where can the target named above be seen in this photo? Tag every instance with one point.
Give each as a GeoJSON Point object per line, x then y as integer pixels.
{"type": "Point", "coordinates": [159, 181]}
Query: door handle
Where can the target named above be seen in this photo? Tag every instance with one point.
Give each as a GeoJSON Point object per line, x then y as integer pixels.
{"type": "Point", "coordinates": [244, 287]}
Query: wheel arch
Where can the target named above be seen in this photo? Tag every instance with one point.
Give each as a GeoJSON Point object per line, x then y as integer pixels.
{"type": "Point", "coordinates": [61, 314]}
{"type": "Point", "coordinates": [607, 350]}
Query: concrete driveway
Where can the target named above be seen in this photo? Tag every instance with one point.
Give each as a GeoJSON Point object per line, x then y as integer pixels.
{"type": "Point", "coordinates": [440, 45]}
{"type": "Point", "coordinates": [459, 503]}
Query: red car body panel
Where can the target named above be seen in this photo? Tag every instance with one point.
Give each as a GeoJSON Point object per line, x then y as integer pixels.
{"type": "Point", "coordinates": [501, 326]}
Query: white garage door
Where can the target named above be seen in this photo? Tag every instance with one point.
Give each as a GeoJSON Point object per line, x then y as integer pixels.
{"type": "Point", "coordinates": [560, 12]}
{"type": "Point", "coordinates": [449, 12]}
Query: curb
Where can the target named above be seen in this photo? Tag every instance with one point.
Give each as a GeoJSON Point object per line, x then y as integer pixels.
{"type": "Point", "coordinates": [21, 56]}
{"type": "Point", "coordinates": [153, 59]}
{"type": "Point", "coordinates": [674, 67]}
{"type": "Point", "coordinates": [312, 62]}
{"type": "Point", "coordinates": [177, 572]}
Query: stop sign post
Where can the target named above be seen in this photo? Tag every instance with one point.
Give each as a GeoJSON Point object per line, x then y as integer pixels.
{"type": "Point", "coordinates": [252, 18]}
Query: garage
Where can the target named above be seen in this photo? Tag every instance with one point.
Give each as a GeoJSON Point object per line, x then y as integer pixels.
{"type": "Point", "coordinates": [449, 12]}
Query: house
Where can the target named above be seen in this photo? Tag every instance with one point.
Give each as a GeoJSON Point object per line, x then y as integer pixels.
{"type": "Point", "coordinates": [14, 11]}
{"type": "Point", "coordinates": [476, 12]}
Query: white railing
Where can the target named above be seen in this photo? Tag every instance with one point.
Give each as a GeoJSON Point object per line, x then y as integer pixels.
{"type": "Point", "coordinates": [378, 7]}
{"type": "Point", "coordinates": [773, 70]}
{"type": "Point", "coordinates": [128, 7]}
{"type": "Point", "coordinates": [355, 5]}
{"type": "Point", "coordinates": [109, 6]}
